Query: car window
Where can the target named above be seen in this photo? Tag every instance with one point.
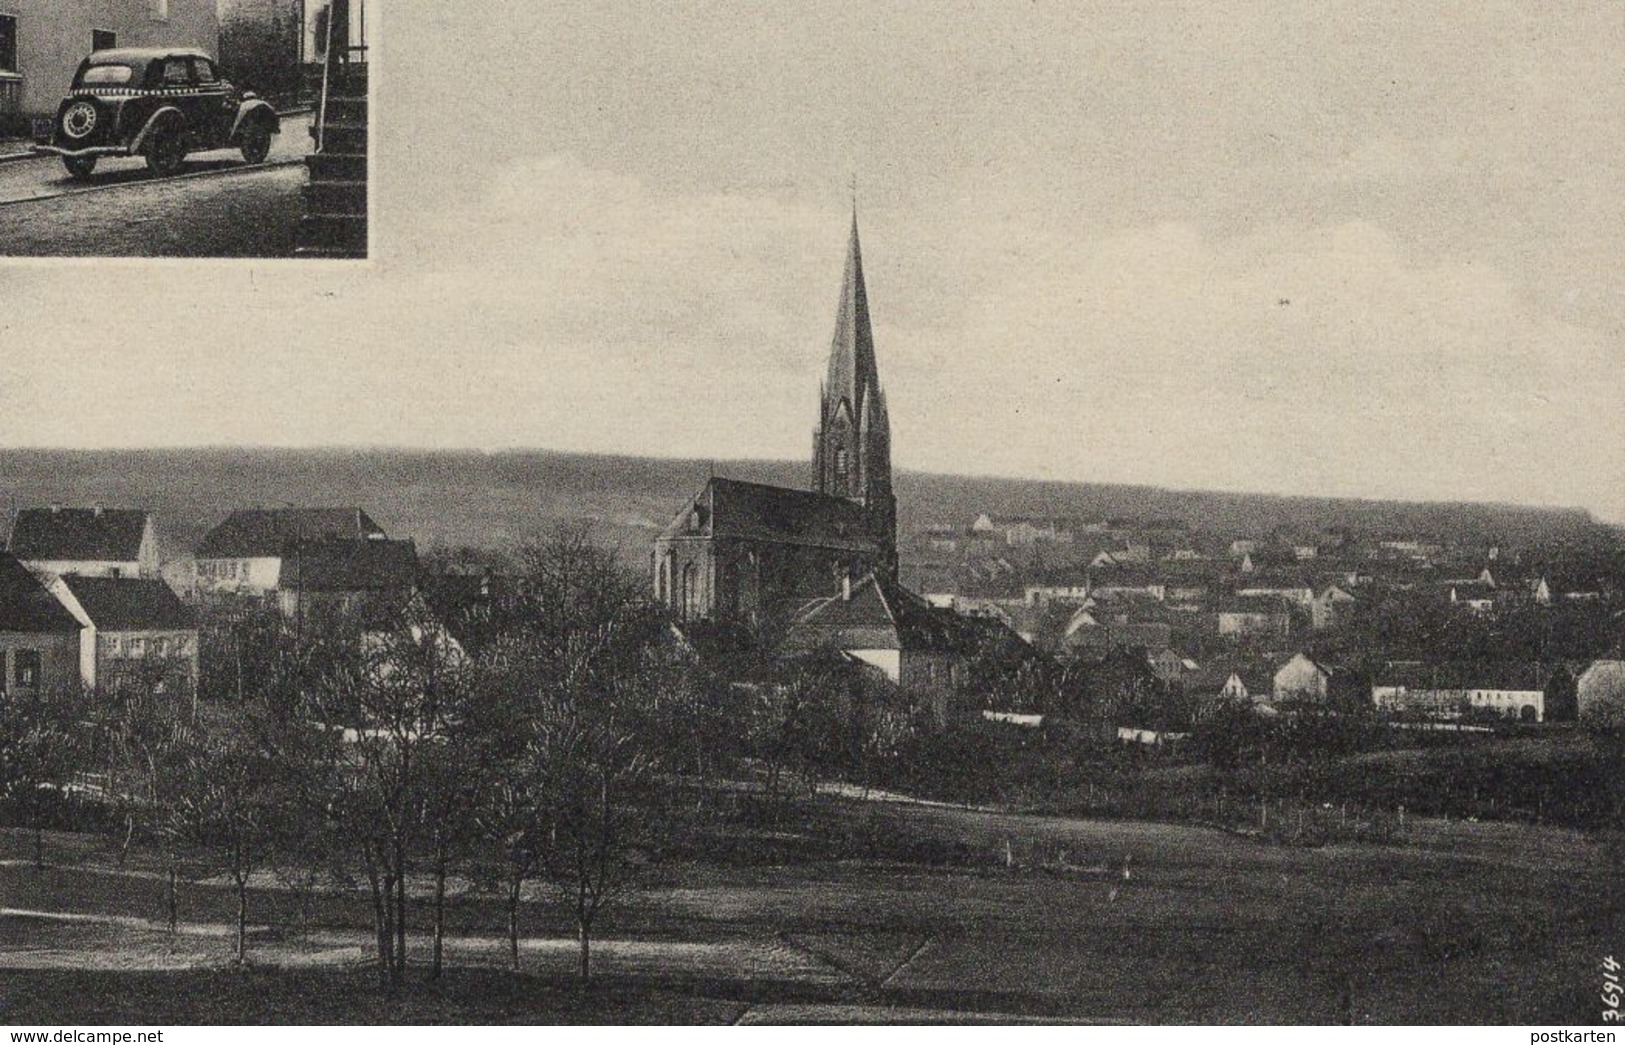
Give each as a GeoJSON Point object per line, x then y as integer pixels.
{"type": "Point", "coordinates": [177, 73]}
{"type": "Point", "coordinates": [107, 74]}
{"type": "Point", "coordinates": [205, 70]}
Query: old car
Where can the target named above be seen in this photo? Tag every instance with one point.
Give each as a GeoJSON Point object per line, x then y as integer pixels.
{"type": "Point", "coordinates": [159, 104]}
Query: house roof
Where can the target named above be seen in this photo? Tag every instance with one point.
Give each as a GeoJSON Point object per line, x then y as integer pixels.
{"type": "Point", "coordinates": [1151, 637]}
{"type": "Point", "coordinates": [101, 534]}
{"type": "Point", "coordinates": [349, 565]}
{"type": "Point", "coordinates": [883, 612]}
{"type": "Point", "coordinates": [1319, 665]}
{"type": "Point", "coordinates": [25, 605]}
{"type": "Point", "coordinates": [265, 532]}
{"type": "Point", "coordinates": [128, 604]}
{"type": "Point", "coordinates": [775, 515]}
{"type": "Point", "coordinates": [1264, 604]}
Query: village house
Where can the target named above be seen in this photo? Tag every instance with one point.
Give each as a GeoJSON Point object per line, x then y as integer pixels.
{"type": "Point", "coordinates": [922, 649]}
{"type": "Point", "coordinates": [1295, 593]}
{"type": "Point", "coordinates": [1260, 617]}
{"type": "Point", "coordinates": [1329, 606]}
{"type": "Point", "coordinates": [327, 580]}
{"type": "Point", "coordinates": [39, 638]}
{"type": "Point", "coordinates": [131, 631]}
{"type": "Point", "coordinates": [246, 553]}
{"type": "Point", "coordinates": [91, 542]}
{"type": "Point", "coordinates": [42, 43]}
{"type": "Point", "coordinates": [1305, 680]}
{"type": "Point", "coordinates": [1044, 594]}
{"type": "Point", "coordinates": [1473, 596]}
{"type": "Point", "coordinates": [1171, 666]}
{"type": "Point", "coordinates": [1093, 638]}
{"type": "Point", "coordinates": [1451, 691]}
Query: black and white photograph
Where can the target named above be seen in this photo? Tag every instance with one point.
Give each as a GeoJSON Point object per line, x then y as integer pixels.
{"type": "Point", "coordinates": [184, 128]}
{"type": "Point", "coordinates": [977, 513]}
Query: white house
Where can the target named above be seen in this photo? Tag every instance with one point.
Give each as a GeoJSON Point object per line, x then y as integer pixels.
{"type": "Point", "coordinates": [131, 628]}
{"type": "Point", "coordinates": [244, 555]}
{"type": "Point", "coordinates": [90, 542]}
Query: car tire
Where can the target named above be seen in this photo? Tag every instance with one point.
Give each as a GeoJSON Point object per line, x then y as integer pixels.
{"type": "Point", "coordinates": [256, 142]}
{"type": "Point", "coordinates": [166, 151]}
{"type": "Point", "coordinates": [79, 167]}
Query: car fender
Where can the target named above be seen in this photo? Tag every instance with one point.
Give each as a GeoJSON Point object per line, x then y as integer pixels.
{"type": "Point", "coordinates": [254, 109]}
{"type": "Point", "coordinates": [166, 114]}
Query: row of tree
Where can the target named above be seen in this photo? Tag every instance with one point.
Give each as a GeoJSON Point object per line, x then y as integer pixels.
{"type": "Point", "coordinates": [554, 731]}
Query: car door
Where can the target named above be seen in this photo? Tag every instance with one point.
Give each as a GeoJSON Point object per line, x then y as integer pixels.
{"type": "Point", "coordinates": [216, 102]}
{"type": "Point", "coordinates": [175, 87]}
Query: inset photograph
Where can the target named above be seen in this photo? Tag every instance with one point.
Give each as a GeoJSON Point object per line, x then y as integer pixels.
{"type": "Point", "coordinates": [184, 128]}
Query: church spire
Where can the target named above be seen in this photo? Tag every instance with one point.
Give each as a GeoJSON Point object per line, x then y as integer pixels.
{"type": "Point", "coordinates": [852, 370]}
{"type": "Point", "coordinates": [852, 445]}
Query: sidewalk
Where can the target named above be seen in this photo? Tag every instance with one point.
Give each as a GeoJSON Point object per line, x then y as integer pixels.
{"type": "Point", "coordinates": [15, 149]}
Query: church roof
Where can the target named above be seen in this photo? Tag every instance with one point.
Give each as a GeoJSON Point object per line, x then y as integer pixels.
{"type": "Point", "coordinates": [84, 534]}
{"type": "Point", "coordinates": [774, 514]}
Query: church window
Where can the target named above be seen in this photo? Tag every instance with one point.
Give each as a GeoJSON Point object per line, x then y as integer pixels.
{"type": "Point", "coordinates": [842, 466]}
{"type": "Point", "coordinates": [663, 581]}
{"type": "Point", "coordinates": [691, 592]}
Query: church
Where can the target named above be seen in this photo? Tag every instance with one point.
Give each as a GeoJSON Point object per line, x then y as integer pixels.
{"type": "Point", "coordinates": [751, 554]}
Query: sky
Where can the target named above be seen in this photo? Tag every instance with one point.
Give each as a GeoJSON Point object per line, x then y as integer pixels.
{"type": "Point", "coordinates": [1349, 249]}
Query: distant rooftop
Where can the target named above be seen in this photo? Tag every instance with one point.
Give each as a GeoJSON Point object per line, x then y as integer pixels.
{"type": "Point", "coordinates": [251, 533]}
{"type": "Point", "coordinates": [80, 534]}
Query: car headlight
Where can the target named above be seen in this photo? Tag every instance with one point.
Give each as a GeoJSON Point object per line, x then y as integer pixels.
{"type": "Point", "coordinates": [79, 120]}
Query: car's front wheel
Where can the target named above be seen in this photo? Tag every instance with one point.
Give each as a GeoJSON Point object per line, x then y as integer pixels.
{"type": "Point", "coordinates": [257, 142]}
{"type": "Point", "coordinates": [80, 167]}
{"type": "Point", "coordinates": [166, 151]}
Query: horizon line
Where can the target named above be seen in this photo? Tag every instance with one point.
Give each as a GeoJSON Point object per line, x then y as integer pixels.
{"type": "Point", "coordinates": [489, 451]}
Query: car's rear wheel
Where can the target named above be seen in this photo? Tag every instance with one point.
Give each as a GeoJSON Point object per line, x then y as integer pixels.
{"type": "Point", "coordinates": [257, 142]}
{"type": "Point", "coordinates": [80, 167]}
{"type": "Point", "coordinates": [166, 151]}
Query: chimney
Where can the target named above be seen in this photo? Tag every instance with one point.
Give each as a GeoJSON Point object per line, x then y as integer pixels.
{"type": "Point", "coordinates": [846, 587]}
{"type": "Point", "coordinates": [56, 506]}
{"type": "Point", "coordinates": [97, 510]}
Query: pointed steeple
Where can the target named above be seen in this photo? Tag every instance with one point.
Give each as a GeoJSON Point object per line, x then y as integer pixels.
{"type": "Point", "coordinates": [852, 445]}
{"type": "Point", "coordinates": [852, 370]}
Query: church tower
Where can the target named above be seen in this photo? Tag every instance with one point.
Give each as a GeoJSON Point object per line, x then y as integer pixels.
{"type": "Point", "coordinates": [852, 444]}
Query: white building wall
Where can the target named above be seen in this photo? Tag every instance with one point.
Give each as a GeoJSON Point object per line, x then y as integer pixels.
{"type": "Point", "coordinates": [889, 661]}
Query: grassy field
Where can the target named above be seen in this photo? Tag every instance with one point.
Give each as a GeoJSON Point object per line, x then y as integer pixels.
{"type": "Point", "coordinates": [1121, 921]}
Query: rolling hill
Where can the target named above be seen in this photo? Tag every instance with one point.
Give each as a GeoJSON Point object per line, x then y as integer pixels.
{"type": "Point", "coordinates": [502, 499]}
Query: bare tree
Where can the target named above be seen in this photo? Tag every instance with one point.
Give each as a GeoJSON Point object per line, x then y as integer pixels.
{"type": "Point", "coordinates": [148, 740]}
{"type": "Point", "coordinates": [607, 816]}
{"type": "Point", "coordinates": [230, 802]}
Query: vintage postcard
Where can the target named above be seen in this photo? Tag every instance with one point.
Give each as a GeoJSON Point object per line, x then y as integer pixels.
{"type": "Point", "coordinates": [971, 512]}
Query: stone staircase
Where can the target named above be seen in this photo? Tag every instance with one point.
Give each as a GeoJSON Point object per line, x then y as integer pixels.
{"type": "Point", "coordinates": [335, 220]}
